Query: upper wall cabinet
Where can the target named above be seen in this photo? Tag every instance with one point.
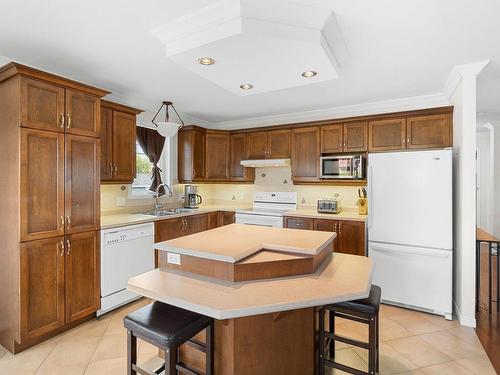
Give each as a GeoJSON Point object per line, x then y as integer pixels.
{"type": "Point", "coordinates": [305, 154]}
{"type": "Point", "coordinates": [385, 135]}
{"type": "Point", "coordinates": [268, 144]}
{"type": "Point", "coordinates": [191, 154]}
{"type": "Point", "coordinates": [429, 131]}
{"type": "Point", "coordinates": [237, 146]}
{"type": "Point", "coordinates": [217, 156]}
{"type": "Point", "coordinates": [349, 137]}
{"type": "Point", "coordinates": [118, 138]}
{"type": "Point", "coordinates": [48, 106]}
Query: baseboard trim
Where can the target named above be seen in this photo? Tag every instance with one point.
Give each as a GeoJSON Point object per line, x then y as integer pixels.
{"type": "Point", "coordinates": [464, 320]}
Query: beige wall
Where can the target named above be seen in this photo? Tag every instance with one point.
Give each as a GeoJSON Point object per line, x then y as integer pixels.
{"type": "Point", "coordinates": [266, 179]}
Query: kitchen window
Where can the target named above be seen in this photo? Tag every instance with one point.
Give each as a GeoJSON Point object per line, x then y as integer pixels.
{"type": "Point", "coordinates": [142, 181]}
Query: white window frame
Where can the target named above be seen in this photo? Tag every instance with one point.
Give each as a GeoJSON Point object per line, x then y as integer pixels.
{"type": "Point", "coordinates": [166, 164]}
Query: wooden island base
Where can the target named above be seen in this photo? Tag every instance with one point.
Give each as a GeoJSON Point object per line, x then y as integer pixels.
{"type": "Point", "coordinates": [270, 344]}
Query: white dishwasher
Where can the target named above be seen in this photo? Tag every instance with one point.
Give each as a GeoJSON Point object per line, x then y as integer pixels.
{"type": "Point", "coordinates": [125, 252]}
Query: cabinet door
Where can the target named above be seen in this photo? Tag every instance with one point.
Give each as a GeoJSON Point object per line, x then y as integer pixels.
{"type": "Point", "coordinates": [83, 113]}
{"type": "Point", "coordinates": [217, 157]}
{"type": "Point", "coordinates": [351, 237]}
{"type": "Point", "coordinates": [212, 220]}
{"type": "Point", "coordinates": [106, 138]}
{"type": "Point", "coordinates": [42, 105]}
{"type": "Point", "coordinates": [237, 172]}
{"type": "Point", "coordinates": [82, 275]}
{"type": "Point", "coordinates": [299, 223]}
{"type": "Point", "coordinates": [387, 134]}
{"type": "Point", "coordinates": [432, 131]}
{"type": "Point", "coordinates": [226, 217]}
{"type": "Point", "coordinates": [356, 137]}
{"type": "Point", "coordinates": [278, 144]}
{"type": "Point", "coordinates": [305, 154]}
{"type": "Point", "coordinates": [256, 145]}
{"type": "Point", "coordinates": [82, 192]}
{"type": "Point", "coordinates": [124, 138]}
{"type": "Point", "coordinates": [168, 229]}
{"type": "Point", "coordinates": [41, 184]}
{"type": "Point", "coordinates": [328, 225]}
{"type": "Point", "coordinates": [199, 167]}
{"type": "Point", "coordinates": [195, 224]}
{"type": "Point", "coordinates": [42, 287]}
{"type": "Point", "coordinates": [331, 138]}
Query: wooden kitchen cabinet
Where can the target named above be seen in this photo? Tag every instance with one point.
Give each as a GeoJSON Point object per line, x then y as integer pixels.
{"type": "Point", "coordinates": [191, 154]}
{"type": "Point", "coordinates": [355, 137]}
{"type": "Point", "coordinates": [42, 301]}
{"type": "Point", "coordinates": [41, 184]}
{"type": "Point", "coordinates": [217, 156]}
{"type": "Point", "coordinates": [42, 105]}
{"type": "Point", "coordinates": [332, 138]}
{"type": "Point", "coordinates": [431, 131]}
{"type": "Point", "coordinates": [83, 113]}
{"type": "Point", "coordinates": [237, 146]}
{"type": "Point", "coordinates": [226, 217]}
{"type": "Point", "coordinates": [299, 223]}
{"type": "Point", "coordinates": [195, 224]}
{"type": "Point", "coordinates": [82, 188]}
{"type": "Point", "coordinates": [212, 220]}
{"type": "Point", "coordinates": [386, 135]}
{"type": "Point", "coordinates": [82, 270]}
{"type": "Point", "coordinates": [351, 237]}
{"type": "Point", "coordinates": [118, 143]}
{"type": "Point", "coordinates": [328, 225]}
{"type": "Point", "coordinates": [305, 154]}
{"type": "Point", "coordinates": [274, 144]}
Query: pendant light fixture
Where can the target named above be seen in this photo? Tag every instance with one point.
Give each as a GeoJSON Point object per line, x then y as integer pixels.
{"type": "Point", "coordinates": [167, 128]}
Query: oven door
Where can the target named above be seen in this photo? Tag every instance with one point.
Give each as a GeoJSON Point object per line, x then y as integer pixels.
{"type": "Point", "coordinates": [339, 167]}
{"type": "Point", "coordinates": [261, 220]}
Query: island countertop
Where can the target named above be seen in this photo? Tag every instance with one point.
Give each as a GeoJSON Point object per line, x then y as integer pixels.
{"type": "Point", "coordinates": [340, 278]}
{"type": "Point", "coordinates": [231, 243]}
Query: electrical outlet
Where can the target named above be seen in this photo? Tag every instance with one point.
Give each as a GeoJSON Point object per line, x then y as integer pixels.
{"type": "Point", "coordinates": [121, 201]}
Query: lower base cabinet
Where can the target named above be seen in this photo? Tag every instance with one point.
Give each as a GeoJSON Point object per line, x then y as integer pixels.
{"type": "Point", "coordinates": [350, 234]}
{"type": "Point", "coordinates": [226, 217]}
{"type": "Point", "coordinates": [59, 283]}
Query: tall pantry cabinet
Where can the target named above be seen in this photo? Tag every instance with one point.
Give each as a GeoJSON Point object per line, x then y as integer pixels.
{"type": "Point", "coordinates": [49, 199]}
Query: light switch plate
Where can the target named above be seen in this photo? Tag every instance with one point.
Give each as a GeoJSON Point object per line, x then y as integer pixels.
{"type": "Point", "coordinates": [174, 258]}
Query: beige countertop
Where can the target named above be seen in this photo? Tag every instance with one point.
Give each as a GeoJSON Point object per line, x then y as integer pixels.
{"type": "Point", "coordinates": [312, 213]}
{"type": "Point", "coordinates": [119, 220]}
{"type": "Point", "coordinates": [233, 242]}
{"type": "Point", "coordinates": [340, 278]}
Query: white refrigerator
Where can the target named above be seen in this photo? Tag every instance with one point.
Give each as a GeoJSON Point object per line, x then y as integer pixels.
{"type": "Point", "coordinates": [410, 229]}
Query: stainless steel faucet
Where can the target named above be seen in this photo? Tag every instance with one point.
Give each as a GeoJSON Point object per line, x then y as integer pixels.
{"type": "Point", "coordinates": [157, 194]}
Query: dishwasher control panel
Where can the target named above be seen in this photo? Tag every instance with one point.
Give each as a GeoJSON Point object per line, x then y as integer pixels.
{"type": "Point", "coordinates": [115, 236]}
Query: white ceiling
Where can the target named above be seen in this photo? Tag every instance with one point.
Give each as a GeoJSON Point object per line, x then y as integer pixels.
{"type": "Point", "coordinates": [393, 50]}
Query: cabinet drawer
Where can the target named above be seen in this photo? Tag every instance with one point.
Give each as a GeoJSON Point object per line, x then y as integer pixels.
{"type": "Point", "coordinates": [299, 223]}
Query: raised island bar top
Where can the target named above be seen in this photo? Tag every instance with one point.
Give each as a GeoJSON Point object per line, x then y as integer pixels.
{"type": "Point", "coordinates": [264, 326]}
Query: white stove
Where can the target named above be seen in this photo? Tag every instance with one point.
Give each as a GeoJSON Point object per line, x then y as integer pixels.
{"type": "Point", "coordinates": [268, 209]}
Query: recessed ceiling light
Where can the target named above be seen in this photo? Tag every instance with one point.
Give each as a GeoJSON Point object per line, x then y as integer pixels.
{"type": "Point", "coordinates": [206, 61]}
{"type": "Point", "coordinates": [309, 74]}
{"type": "Point", "coordinates": [246, 86]}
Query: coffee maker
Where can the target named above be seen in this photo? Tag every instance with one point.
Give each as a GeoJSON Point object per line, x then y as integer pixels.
{"type": "Point", "coordinates": [191, 197]}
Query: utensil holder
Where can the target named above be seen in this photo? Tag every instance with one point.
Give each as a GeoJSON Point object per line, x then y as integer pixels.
{"type": "Point", "coordinates": [363, 206]}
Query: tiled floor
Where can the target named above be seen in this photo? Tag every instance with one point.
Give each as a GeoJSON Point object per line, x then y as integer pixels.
{"type": "Point", "coordinates": [411, 343]}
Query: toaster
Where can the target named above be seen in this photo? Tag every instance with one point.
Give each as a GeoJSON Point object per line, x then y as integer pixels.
{"type": "Point", "coordinates": [330, 206]}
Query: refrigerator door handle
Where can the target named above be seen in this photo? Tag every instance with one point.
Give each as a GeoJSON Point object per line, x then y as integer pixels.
{"type": "Point", "coordinates": [400, 252]}
{"type": "Point", "coordinates": [370, 197]}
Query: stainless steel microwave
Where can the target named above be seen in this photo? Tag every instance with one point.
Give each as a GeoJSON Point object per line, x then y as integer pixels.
{"type": "Point", "coordinates": [342, 166]}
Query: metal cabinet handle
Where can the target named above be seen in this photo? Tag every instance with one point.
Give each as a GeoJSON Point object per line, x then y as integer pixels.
{"type": "Point", "coordinates": [68, 243]}
{"type": "Point", "coordinates": [62, 222]}
{"type": "Point", "coordinates": [68, 222]}
{"type": "Point", "coordinates": [116, 169]}
{"type": "Point", "coordinates": [194, 173]}
{"type": "Point", "coordinates": [68, 125]}
{"type": "Point", "coordinates": [340, 227]}
{"type": "Point", "coordinates": [408, 140]}
{"type": "Point", "coordinates": [62, 247]}
{"type": "Point", "coordinates": [62, 120]}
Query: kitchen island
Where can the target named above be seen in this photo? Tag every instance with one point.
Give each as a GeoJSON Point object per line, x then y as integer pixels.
{"type": "Point", "coordinates": [263, 325]}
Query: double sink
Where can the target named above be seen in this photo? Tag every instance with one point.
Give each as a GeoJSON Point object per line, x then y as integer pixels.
{"type": "Point", "coordinates": [168, 212]}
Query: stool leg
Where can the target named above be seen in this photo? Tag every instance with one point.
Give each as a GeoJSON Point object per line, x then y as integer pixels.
{"type": "Point", "coordinates": [321, 341]}
{"type": "Point", "coordinates": [372, 345]}
{"type": "Point", "coordinates": [131, 353]}
{"type": "Point", "coordinates": [377, 344]}
{"type": "Point", "coordinates": [170, 365]}
{"type": "Point", "coordinates": [209, 368]}
{"type": "Point", "coordinates": [331, 316]}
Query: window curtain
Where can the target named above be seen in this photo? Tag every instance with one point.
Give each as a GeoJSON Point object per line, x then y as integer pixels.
{"type": "Point", "coordinates": [152, 144]}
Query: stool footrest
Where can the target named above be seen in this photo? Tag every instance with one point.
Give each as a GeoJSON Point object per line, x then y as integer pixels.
{"type": "Point", "coordinates": [343, 315]}
{"type": "Point", "coordinates": [347, 340]}
{"type": "Point", "coordinates": [345, 368]}
{"type": "Point", "coordinates": [142, 371]}
{"type": "Point", "coordinates": [197, 345]}
{"type": "Point", "coordinates": [187, 369]}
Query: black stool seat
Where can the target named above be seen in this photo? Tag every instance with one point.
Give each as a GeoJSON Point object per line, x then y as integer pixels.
{"type": "Point", "coordinates": [164, 324]}
{"type": "Point", "coordinates": [369, 305]}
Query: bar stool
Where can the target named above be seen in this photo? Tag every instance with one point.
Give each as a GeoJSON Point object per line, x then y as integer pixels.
{"type": "Point", "coordinates": [168, 327]}
{"type": "Point", "coordinates": [364, 311]}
